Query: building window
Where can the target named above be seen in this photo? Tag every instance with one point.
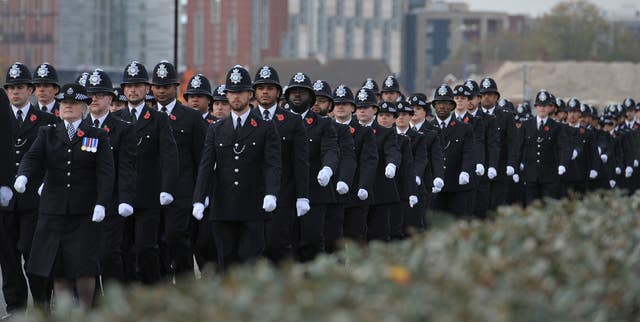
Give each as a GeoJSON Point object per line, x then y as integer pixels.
{"type": "Point", "coordinates": [198, 40]}
{"type": "Point", "coordinates": [368, 34]}
{"type": "Point", "coordinates": [358, 12]}
{"type": "Point", "coordinates": [215, 11]}
{"type": "Point", "coordinates": [265, 24]}
{"type": "Point", "coordinates": [232, 37]}
{"type": "Point", "coordinates": [348, 39]}
{"type": "Point", "coordinates": [376, 9]}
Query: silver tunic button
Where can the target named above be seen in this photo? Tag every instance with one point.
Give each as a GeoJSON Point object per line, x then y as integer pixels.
{"type": "Point", "coordinates": [68, 162]}
{"type": "Point", "coordinates": [18, 152]}
{"type": "Point", "coordinates": [236, 170]}
{"type": "Point", "coordinates": [68, 174]}
{"type": "Point", "coordinates": [236, 157]}
{"type": "Point", "coordinates": [69, 150]}
{"type": "Point", "coordinates": [235, 183]}
{"type": "Point", "coordinates": [68, 185]}
{"type": "Point", "coordinates": [17, 164]}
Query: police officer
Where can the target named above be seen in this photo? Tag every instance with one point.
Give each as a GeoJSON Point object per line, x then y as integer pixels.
{"type": "Point", "coordinates": [371, 84]}
{"type": "Point", "coordinates": [390, 89]}
{"type": "Point", "coordinates": [6, 194]}
{"type": "Point", "coordinates": [77, 160]}
{"type": "Point", "coordinates": [293, 197]}
{"type": "Point", "coordinates": [122, 138]}
{"type": "Point", "coordinates": [18, 217]}
{"type": "Point", "coordinates": [544, 152]}
{"type": "Point", "coordinates": [343, 180]}
{"type": "Point", "coordinates": [189, 132]}
{"type": "Point", "coordinates": [156, 174]}
{"type": "Point", "coordinates": [506, 142]}
{"type": "Point", "coordinates": [119, 102]}
{"type": "Point", "coordinates": [385, 191]}
{"type": "Point", "coordinates": [357, 200]}
{"type": "Point", "coordinates": [198, 97]}
{"type": "Point", "coordinates": [582, 166]}
{"type": "Point", "coordinates": [45, 80]}
{"type": "Point", "coordinates": [244, 183]}
{"type": "Point", "coordinates": [324, 153]}
{"type": "Point", "coordinates": [457, 142]}
{"type": "Point", "coordinates": [221, 107]}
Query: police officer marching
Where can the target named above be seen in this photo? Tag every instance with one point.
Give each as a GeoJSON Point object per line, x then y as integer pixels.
{"type": "Point", "coordinates": [45, 80]}
{"type": "Point", "coordinates": [198, 97]}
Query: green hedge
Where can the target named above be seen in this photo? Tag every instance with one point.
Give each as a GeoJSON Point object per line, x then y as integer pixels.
{"type": "Point", "coordinates": [564, 261]}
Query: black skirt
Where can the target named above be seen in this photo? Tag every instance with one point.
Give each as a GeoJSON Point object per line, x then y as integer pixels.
{"type": "Point", "coordinates": [65, 246]}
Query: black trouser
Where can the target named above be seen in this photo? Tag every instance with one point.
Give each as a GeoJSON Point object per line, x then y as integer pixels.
{"type": "Point", "coordinates": [481, 197]}
{"type": "Point", "coordinates": [308, 233]}
{"type": "Point", "coordinates": [279, 230]}
{"type": "Point", "coordinates": [355, 222]}
{"type": "Point", "coordinates": [397, 219]}
{"type": "Point", "coordinates": [140, 246]}
{"type": "Point", "coordinates": [378, 222]}
{"type": "Point", "coordinates": [176, 254]}
{"type": "Point", "coordinates": [237, 242]}
{"type": "Point", "coordinates": [204, 245]}
{"type": "Point", "coordinates": [111, 263]}
{"type": "Point", "coordinates": [498, 193]}
{"type": "Point", "coordinates": [16, 235]}
{"type": "Point", "coordinates": [537, 190]}
{"type": "Point", "coordinates": [415, 218]}
{"type": "Point", "coordinates": [333, 227]}
{"type": "Point", "coordinates": [455, 202]}
{"type": "Point", "coordinates": [516, 195]}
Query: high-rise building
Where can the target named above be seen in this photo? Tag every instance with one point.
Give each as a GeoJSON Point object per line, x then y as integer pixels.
{"type": "Point", "coordinates": [346, 29]}
{"type": "Point", "coordinates": [220, 34]}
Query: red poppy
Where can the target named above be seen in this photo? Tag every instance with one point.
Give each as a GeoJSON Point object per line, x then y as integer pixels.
{"type": "Point", "coordinates": [546, 128]}
{"type": "Point", "coordinates": [635, 126]}
{"type": "Point", "coordinates": [352, 130]}
{"type": "Point", "coordinates": [466, 119]}
{"type": "Point", "coordinates": [280, 117]}
{"type": "Point", "coordinates": [374, 131]}
{"type": "Point", "coordinates": [80, 133]}
{"type": "Point", "coordinates": [172, 117]}
{"type": "Point", "coordinates": [453, 123]}
{"type": "Point", "coordinates": [57, 113]}
{"type": "Point", "coordinates": [582, 131]}
{"type": "Point", "coordinates": [210, 121]}
{"type": "Point", "coordinates": [147, 115]}
{"type": "Point", "coordinates": [253, 123]}
{"type": "Point", "coordinates": [309, 121]}
{"type": "Point", "coordinates": [106, 128]}
{"type": "Point", "coordinates": [33, 118]}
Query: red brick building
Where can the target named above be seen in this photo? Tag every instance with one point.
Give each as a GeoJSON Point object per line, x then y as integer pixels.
{"type": "Point", "coordinates": [222, 33]}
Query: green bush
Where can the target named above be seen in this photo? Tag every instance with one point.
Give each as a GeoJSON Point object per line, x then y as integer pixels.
{"type": "Point", "coordinates": [562, 261]}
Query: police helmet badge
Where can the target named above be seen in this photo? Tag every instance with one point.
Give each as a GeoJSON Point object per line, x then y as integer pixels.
{"type": "Point", "coordinates": [486, 83]}
{"type": "Point", "coordinates": [368, 84]}
{"type": "Point", "coordinates": [235, 76]}
{"type": "Point", "coordinates": [542, 96]}
{"type": "Point", "coordinates": [133, 69]}
{"type": "Point", "coordinates": [469, 84]}
{"type": "Point", "coordinates": [14, 71]}
{"type": "Point", "coordinates": [298, 78]}
{"type": "Point", "coordinates": [340, 91]}
{"type": "Point", "coordinates": [70, 91]}
{"type": "Point", "coordinates": [442, 90]}
{"type": "Point", "coordinates": [572, 103]}
{"type": "Point", "coordinates": [317, 86]}
{"type": "Point", "coordinates": [95, 78]}
{"type": "Point", "coordinates": [362, 95]}
{"type": "Point", "coordinates": [162, 71]}
{"type": "Point", "coordinates": [221, 89]}
{"type": "Point", "coordinates": [83, 79]}
{"type": "Point", "coordinates": [389, 81]}
{"type": "Point", "coordinates": [265, 72]}
{"type": "Point", "coordinates": [43, 71]}
{"type": "Point", "coordinates": [196, 82]}
{"type": "Point", "coordinates": [502, 102]}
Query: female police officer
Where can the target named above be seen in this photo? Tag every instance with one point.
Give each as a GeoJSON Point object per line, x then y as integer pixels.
{"type": "Point", "coordinates": [79, 176]}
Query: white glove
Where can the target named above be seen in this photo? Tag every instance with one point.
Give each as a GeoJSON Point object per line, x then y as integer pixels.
{"type": "Point", "coordinates": [438, 183]}
{"type": "Point", "coordinates": [342, 187]}
{"type": "Point", "coordinates": [521, 166]}
{"type": "Point", "coordinates": [604, 158]}
{"type": "Point", "coordinates": [413, 200]}
{"type": "Point", "coordinates": [390, 171]}
{"type": "Point", "coordinates": [98, 213]}
{"type": "Point", "coordinates": [40, 189]}
{"type": "Point", "coordinates": [635, 163]}
{"type": "Point", "coordinates": [510, 171]}
{"type": "Point", "coordinates": [165, 198]}
{"type": "Point", "coordinates": [463, 178]}
{"type": "Point", "coordinates": [593, 174]}
{"type": "Point", "coordinates": [302, 206]}
{"type": "Point", "coordinates": [618, 170]}
{"type": "Point", "coordinates": [363, 194]}
{"type": "Point", "coordinates": [561, 170]}
{"type": "Point", "coordinates": [628, 172]}
{"type": "Point", "coordinates": [516, 178]}
{"type": "Point", "coordinates": [125, 210]}
{"type": "Point", "coordinates": [269, 203]}
{"type": "Point", "coordinates": [599, 150]}
{"type": "Point", "coordinates": [479, 169]}
{"type": "Point", "coordinates": [574, 155]}
{"type": "Point", "coordinates": [198, 211]}
{"type": "Point", "coordinates": [324, 176]}
{"type": "Point", "coordinates": [418, 180]}
{"type": "Point", "coordinates": [5, 195]}
{"type": "Point", "coordinates": [492, 173]}
{"type": "Point", "coordinates": [612, 183]}
{"type": "Point", "coordinates": [21, 184]}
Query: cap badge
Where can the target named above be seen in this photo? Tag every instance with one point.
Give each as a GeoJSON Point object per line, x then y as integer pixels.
{"type": "Point", "coordinates": [95, 78]}
{"type": "Point", "coordinates": [235, 76]}
{"type": "Point", "coordinates": [43, 71]}
{"type": "Point", "coordinates": [298, 78]}
{"type": "Point", "coordinates": [362, 95]}
{"type": "Point", "coordinates": [265, 72]}
{"type": "Point", "coordinates": [133, 69]}
{"type": "Point", "coordinates": [196, 82]}
{"type": "Point", "coordinates": [317, 86]}
{"type": "Point", "coordinates": [162, 71]}
{"type": "Point", "coordinates": [389, 81]}
{"type": "Point", "coordinates": [14, 71]}
{"type": "Point", "coordinates": [340, 91]}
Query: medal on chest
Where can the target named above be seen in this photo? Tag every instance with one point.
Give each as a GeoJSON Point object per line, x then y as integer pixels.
{"type": "Point", "coordinates": [89, 145]}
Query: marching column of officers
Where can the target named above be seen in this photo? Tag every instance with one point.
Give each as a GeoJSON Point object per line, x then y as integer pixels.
{"type": "Point", "coordinates": [129, 185]}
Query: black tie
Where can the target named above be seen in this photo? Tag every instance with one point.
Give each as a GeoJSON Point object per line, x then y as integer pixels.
{"type": "Point", "coordinates": [541, 125]}
{"type": "Point", "coordinates": [44, 108]}
{"type": "Point", "coordinates": [414, 128]}
{"type": "Point", "coordinates": [238, 124]}
{"type": "Point", "coordinates": [19, 119]}
{"type": "Point", "coordinates": [164, 109]}
{"type": "Point", "coordinates": [442, 125]}
{"type": "Point", "coordinates": [134, 118]}
{"type": "Point", "coordinates": [96, 123]}
{"type": "Point", "coordinates": [266, 114]}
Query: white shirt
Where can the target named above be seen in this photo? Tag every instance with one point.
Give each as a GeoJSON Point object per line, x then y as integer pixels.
{"type": "Point", "coordinates": [75, 124]}
{"type": "Point", "coordinates": [538, 119]}
{"type": "Point", "coordinates": [458, 116]}
{"type": "Point", "coordinates": [204, 116]}
{"type": "Point", "coordinates": [138, 109]}
{"type": "Point", "coordinates": [169, 107]}
{"type": "Point", "coordinates": [399, 131]}
{"type": "Point", "coordinates": [243, 118]}
{"type": "Point", "coordinates": [25, 110]}
{"type": "Point", "coordinates": [474, 112]}
{"type": "Point", "coordinates": [489, 111]}
{"type": "Point", "coordinates": [49, 106]}
{"type": "Point", "coordinates": [446, 121]}
{"type": "Point", "coordinates": [347, 122]}
{"type": "Point", "coordinates": [100, 120]}
{"type": "Point", "coordinates": [272, 110]}
{"type": "Point", "coordinates": [419, 125]}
